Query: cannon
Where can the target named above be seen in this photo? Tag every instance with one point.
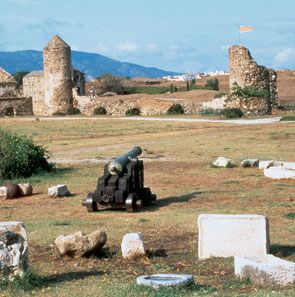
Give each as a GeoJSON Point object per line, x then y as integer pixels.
{"type": "Point", "coordinates": [121, 186]}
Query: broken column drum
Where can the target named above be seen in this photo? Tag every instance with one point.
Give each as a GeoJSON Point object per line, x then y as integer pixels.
{"type": "Point", "coordinates": [121, 186]}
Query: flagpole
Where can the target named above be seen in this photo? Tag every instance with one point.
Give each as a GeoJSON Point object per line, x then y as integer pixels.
{"type": "Point", "coordinates": [239, 36]}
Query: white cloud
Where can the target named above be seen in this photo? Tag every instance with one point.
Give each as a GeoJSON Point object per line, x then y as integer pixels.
{"type": "Point", "coordinates": [101, 48]}
{"type": "Point", "coordinates": [285, 56]}
{"type": "Point", "coordinates": [128, 46]}
{"type": "Point", "coordinates": [152, 46]}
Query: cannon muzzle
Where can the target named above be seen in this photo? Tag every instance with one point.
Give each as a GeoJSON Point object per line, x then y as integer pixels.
{"type": "Point", "coordinates": [116, 166]}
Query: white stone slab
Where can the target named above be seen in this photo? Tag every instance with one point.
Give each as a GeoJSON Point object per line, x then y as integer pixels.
{"type": "Point", "coordinates": [132, 245]}
{"type": "Point", "coordinates": [289, 165]}
{"type": "Point", "coordinates": [279, 172]}
{"type": "Point", "coordinates": [232, 235]}
{"type": "Point", "coordinates": [266, 164]}
{"type": "Point", "coordinates": [223, 162]}
{"type": "Point", "coordinates": [266, 270]}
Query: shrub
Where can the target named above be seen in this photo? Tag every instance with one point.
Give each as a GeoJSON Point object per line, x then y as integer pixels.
{"type": "Point", "coordinates": [212, 84]}
{"type": "Point", "coordinates": [219, 95]}
{"type": "Point", "coordinates": [290, 215]}
{"type": "Point", "coordinates": [73, 110]}
{"type": "Point", "coordinates": [20, 157]}
{"type": "Point", "coordinates": [175, 109]}
{"type": "Point", "coordinates": [211, 111]}
{"type": "Point", "coordinates": [133, 111]}
{"type": "Point", "coordinates": [100, 110]}
{"type": "Point", "coordinates": [288, 118]}
{"type": "Point", "coordinates": [249, 91]}
{"type": "Point", "coordinates": [231, 113]}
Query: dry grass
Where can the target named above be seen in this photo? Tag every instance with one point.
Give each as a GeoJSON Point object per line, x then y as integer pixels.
{"type": "Point", "coordinates": [186, 185]}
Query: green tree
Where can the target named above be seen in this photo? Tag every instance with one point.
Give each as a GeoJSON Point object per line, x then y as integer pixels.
{"type": "Point", "coordinates": [212, 84]}
{"type": "Point", "coordinates": [18, 76]}
{"type": "Point", "coordinates": [110, 83]}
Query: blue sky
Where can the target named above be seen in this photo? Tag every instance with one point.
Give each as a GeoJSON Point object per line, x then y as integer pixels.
{"type": "Point", "coordinates": [183, 35]}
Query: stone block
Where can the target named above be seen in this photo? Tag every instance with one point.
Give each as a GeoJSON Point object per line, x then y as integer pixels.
{"type": "Point", "coordinates": [13, 250]}
{"type": "Point", "coordinates": [3, 192]}
{"type": "Point", "coordinates": [266, 270]}
{"type": "Point", "coordinates": [13, 191]}
{"type": "Point", "coordinates": [279, 172]}
{"type": "Point", "coordinates": [25, 189]}
{"type": "Point", "coordinates": [223, 162]}
{"type": "Point", "coordinates": [266, 164]}
{"type": "Point", "coordinates": [132, 245]}
{"type": "Point", "coordinates": [250, 163]}
{"type": "Point", "coordinates": [79, 244]}
{"type": "Point", "coordinates": [58, 191]}
{"type": "Point", "coordinates": [232, 235]}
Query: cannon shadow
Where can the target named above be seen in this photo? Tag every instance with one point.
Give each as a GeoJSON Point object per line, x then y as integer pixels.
{"type": "Point", "coordinates": [164, 202]}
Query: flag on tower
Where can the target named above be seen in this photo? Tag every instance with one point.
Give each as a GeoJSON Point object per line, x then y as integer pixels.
{"type": "Point", "coordinates": [244, 29]}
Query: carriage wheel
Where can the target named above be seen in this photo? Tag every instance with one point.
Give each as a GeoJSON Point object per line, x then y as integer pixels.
{"type": "Point", "coordinates": [90, 203]}
{"type": "Point", "coordinates": [130, 202]}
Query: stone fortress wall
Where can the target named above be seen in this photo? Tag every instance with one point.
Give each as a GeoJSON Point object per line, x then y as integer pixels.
{"type": "Point", "coordinates": [245, 72]}
{"type": "Point", "coordinates": [16, 106]}
{"type": "Point", "coordinates": [60, 87]}
{"type": "Point", "coordinates": [33, 86]}
{"type": "Point", "coordinates": [10, 101]}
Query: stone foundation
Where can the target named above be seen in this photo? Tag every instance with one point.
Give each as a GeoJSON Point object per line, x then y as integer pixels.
{"type": "Point", "coordinates": [16, 107]}
{"type": "Point", "coordinates": [250, 106]}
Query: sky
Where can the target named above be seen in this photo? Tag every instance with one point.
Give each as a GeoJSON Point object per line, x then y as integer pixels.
{"type": "Point", "coordinates": [178, 35]}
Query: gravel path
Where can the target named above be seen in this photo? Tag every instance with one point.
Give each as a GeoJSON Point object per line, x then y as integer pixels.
{"type": "Point", "coordinates": [238, 122]}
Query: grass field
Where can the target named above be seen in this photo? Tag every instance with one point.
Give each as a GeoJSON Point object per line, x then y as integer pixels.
{"type": "Point", "coordinates": [178, 158]}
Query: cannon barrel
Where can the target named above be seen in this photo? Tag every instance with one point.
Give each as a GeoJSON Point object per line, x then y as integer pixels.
{"type": "Point", "coordinates": [116, 166]}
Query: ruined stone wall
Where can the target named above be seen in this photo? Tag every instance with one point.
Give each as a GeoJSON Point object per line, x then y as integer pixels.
{"type": "Point", "coordinates": [8, 85]}
{"type": "Point", "coordinates": [249, 106]}
{"type": "Point", "coordinates": [33, 86]}
{"type": "Point", "coordinates": [118, 106]}
{"type": "Point", "coordinates": [8, 89]}
{"type": "Point", "coordinates": [57, 76]}
{"type": "Point", "coordinates": [79, 82]}
{"type": "Point", "coordinates": [16, 106]}
{"type": "Point", "coordinates": [245, 72]}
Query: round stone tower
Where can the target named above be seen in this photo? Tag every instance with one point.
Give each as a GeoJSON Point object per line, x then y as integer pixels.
{"type": "Point", "coordinates": [57, 76]}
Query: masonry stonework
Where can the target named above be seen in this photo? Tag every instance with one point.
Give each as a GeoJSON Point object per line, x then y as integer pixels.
{"type": "Point", "coordinates": [33, 86]}
{"type": "Point", "coordinates": [245, 72]}
{"type": "Point", "coordinates": [16, 106]}
{"type": "Point", "coordinates": [57, 76]}
{"type": "Point", "coordinates": [8, 85]}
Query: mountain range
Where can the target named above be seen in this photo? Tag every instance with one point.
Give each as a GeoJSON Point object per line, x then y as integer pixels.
{"type": "Point", "coordinates": [91, 64]}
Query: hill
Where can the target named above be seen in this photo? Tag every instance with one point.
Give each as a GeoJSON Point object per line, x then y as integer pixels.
{"type": "Point", "coordinates": [91, 64]}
